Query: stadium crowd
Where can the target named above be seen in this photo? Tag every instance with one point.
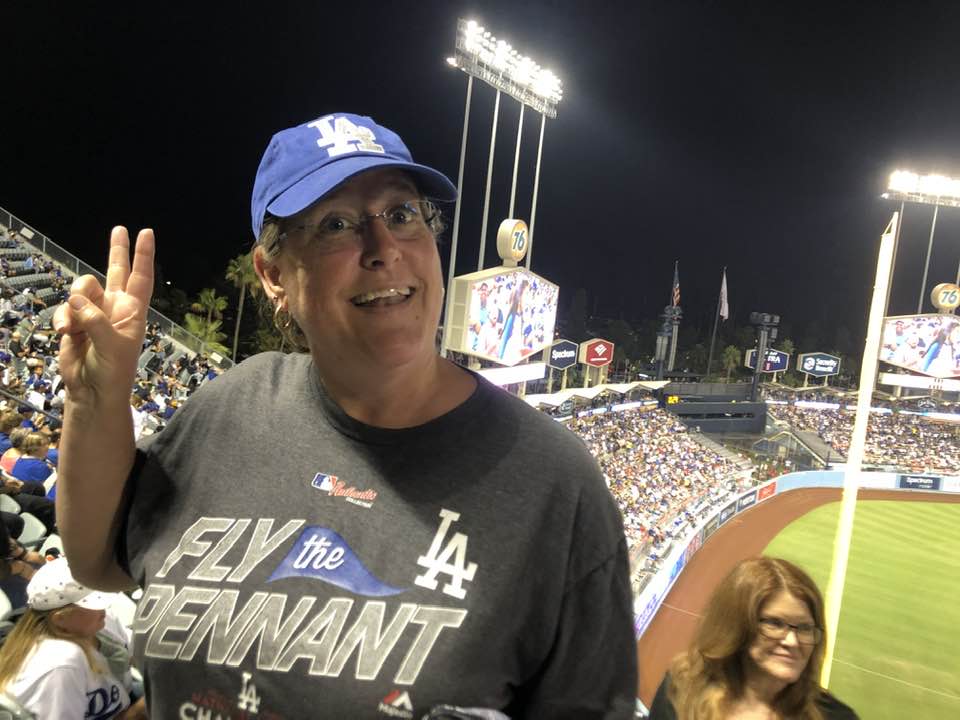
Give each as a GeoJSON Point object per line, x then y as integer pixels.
{"type": "Point", "coordinates": [31, 389]}
{"type": "Point", "coordinates": [660, 476]}
{"type": "Point", "coordinates": [910, 442]}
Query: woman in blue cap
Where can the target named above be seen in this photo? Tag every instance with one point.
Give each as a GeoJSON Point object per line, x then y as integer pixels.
{"type": "Point", "coordinates": [363, 530]}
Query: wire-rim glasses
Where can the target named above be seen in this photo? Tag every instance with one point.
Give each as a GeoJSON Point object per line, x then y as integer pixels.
{"type": "Point", "coordinates": [340, 228]}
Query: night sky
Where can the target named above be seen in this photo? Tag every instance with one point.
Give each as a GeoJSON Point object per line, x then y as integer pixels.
{"type": "Point", "coordinates": [757, 135]}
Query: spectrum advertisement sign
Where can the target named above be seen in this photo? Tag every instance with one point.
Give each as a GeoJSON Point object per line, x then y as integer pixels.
{"type": "Point", "coordinates": [918, 482]}
{"type": "Point", "coordinates": [563, 354]}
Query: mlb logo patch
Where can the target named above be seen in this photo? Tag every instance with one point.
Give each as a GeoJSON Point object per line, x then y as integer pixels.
{"type": "Point", "coordinates": [322, 481]}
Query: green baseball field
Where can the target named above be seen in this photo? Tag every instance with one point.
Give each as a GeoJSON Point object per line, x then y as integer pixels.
{"type": "Point", "coordinates": [898, 645]}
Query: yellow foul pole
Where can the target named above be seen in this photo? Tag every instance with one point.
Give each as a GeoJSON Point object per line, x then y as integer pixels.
{"type": "Point", "coordinates": [851, 480]}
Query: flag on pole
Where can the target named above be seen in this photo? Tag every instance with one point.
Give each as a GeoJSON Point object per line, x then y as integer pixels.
{"type": "Point", "coordinates": [724, 307]}
{"type": "Point", "coordinates": [675, 298]}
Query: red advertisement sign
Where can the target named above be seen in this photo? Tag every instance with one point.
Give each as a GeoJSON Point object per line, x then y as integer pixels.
{"type": "Point", "coordinates": [767, 491]}
{"type": "Point", "coordinates": [598, 353]}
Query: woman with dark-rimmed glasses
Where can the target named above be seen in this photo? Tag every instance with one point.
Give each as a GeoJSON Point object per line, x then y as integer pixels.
{"type": "Point", "coordinates": [757, 652]}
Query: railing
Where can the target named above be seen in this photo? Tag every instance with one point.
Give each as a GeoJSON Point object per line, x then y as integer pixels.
{"type": "Point", "coordinates": [73, 264]}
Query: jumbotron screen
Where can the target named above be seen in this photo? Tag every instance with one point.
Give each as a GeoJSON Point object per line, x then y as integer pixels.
{"type": "Point", "coordinates": [502, 314]}
{"type": "Point", "coordinates": [925, 344]}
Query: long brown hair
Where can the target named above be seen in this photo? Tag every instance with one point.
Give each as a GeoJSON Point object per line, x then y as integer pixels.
{"type": "Point", "coordinates": [31, 628]}
{"type": "Point", "coordinates": [712, 673]}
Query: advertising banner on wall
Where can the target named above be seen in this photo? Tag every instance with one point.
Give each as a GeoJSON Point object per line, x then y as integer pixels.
{"type": "Point", "coordinates": [747, 500]}
{"type": "Point", "coordinates": [728, 512]}
{"type": "Point", "coordinates": [767, 491]}
{"type": "Point", "coordinates": [918, 482]}
{"type": "Point", "coordinates": [711, 527]}
{"type": "Point", "coordinates": [643, 618]}
{"type": "Point", "coordinates": [678, 566]}
{"type": "Point", "coordinates": [696, 542]}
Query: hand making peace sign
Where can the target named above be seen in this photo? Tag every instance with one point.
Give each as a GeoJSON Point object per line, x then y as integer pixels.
{"type": "Point", "coordinates": [103, 327]}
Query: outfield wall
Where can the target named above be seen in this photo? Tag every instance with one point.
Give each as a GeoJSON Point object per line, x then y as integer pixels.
{"type": "Point", "coordinates": [647, 602]}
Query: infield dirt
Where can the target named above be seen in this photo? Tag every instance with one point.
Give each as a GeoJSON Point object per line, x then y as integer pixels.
{"type": "Point", "coordinates": [745, 535]}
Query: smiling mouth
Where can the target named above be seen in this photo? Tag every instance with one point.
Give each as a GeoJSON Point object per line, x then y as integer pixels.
{"type": "Point", "coordinates": [383, 298]}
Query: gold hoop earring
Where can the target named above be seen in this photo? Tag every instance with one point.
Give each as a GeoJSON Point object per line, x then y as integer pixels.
{"type": "Point", "coordinates": [282, 318]}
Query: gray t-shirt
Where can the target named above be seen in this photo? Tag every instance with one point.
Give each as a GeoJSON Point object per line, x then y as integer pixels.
{"type": "Point", "coordinates": [297, 563]}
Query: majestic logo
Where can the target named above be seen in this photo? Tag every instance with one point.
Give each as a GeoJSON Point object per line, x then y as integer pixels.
{"type": "Point", "coordinates": [437, 561]}
{"type": "Point", "coordinates": [322, 554]}
{"type": "Point", "coordinates": [335, 487]}
{"type": "Point", "coordinates": [397, 704]}
{"type": "Point", "coordinates": [338, 136]}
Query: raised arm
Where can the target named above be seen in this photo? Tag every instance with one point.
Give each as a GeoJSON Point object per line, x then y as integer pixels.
{"type": "Point", "coordinates": [102, 335]}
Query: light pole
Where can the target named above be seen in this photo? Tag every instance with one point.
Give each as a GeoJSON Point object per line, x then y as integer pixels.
{"type": "Point", "coordinates": [766, 325]}
{"type": "Point", "coordinates": [937, 190]}
{"type": "Point", "coordinates": [480, 55]}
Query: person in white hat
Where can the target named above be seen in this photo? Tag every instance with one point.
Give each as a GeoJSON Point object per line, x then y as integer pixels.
{"type": "Point", "coordinates": [51, 662]}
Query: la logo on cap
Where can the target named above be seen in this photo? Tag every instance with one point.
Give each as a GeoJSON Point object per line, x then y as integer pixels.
{"type": "Point", "coordinates": [339, 135]}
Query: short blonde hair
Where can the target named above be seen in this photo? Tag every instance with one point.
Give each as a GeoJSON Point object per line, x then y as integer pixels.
{"type": "Point", "coordinates": [33, 442]}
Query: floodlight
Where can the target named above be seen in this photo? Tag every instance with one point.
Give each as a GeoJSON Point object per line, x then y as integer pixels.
{"type": "Point", "coordinates": [481, 54]}
{"type": "Point", "coordinates": [452, 61]}
{"type": "Point", "coordinates": [931, 189]}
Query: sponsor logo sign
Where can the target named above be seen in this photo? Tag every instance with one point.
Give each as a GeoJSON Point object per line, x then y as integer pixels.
{"type": "Point", "coordinates": [512, 240]}
{"type": "Point", "coordinates": [767, 491]}
{"type": "Point", "coordinates": [696, 542]}
{"type": "Point", "coordinates": [711, 527]}
{"type": "Point", "coordinates": [775, 361]}
{"type": "Point", "coordinates": [818, 364]}
{"type": "Point", "coordinates": [598, 353]}
{"type": "Point", "coordinates": [563, 354]}
{"type": "Point", "coordinates": [643, 619]}
{"type": "Point", "coordinates": [728, 512]}
{"type": "Point", "coordinates": [918, 482]}
{"type": "Point", "coordinates": [677, 567]}
{"type": "Point", "coordinates": [747, 500]}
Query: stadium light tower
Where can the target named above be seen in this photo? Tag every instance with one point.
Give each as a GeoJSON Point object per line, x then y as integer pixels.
{"type": "Point", "coordinates": [936, 190]}
{"type": "Point", "coordinates": [480, 55]}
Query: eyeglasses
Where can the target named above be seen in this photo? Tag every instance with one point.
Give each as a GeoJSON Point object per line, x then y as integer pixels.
{"type": "Point", "coordinates": [777, 629]}
{"type": "Point", "coordinates": [339, 229]}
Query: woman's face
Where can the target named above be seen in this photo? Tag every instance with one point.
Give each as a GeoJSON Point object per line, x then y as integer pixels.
{"type": "Point", "coordinates": [325, 289]}
{"type": "Point", "coordinates": [79, 621]}
{"type": "Point", "coordinates": [783, 660]}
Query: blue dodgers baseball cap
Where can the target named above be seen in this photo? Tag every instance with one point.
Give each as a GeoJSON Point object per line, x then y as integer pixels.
{"type": "Point", "coordinates": [304, 163]}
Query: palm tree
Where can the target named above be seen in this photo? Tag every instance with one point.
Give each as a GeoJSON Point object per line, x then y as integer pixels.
{"type": "Point", "coordinates": [241, 273]}
{"type": "Point", "coordinates": [207, 332]}
{"type": "Point", "coordinates": [212, 304]}
{"type": "Point", "coordinates": [789, 348]}
{"type": "Point", "coordinates": [730, 359]}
